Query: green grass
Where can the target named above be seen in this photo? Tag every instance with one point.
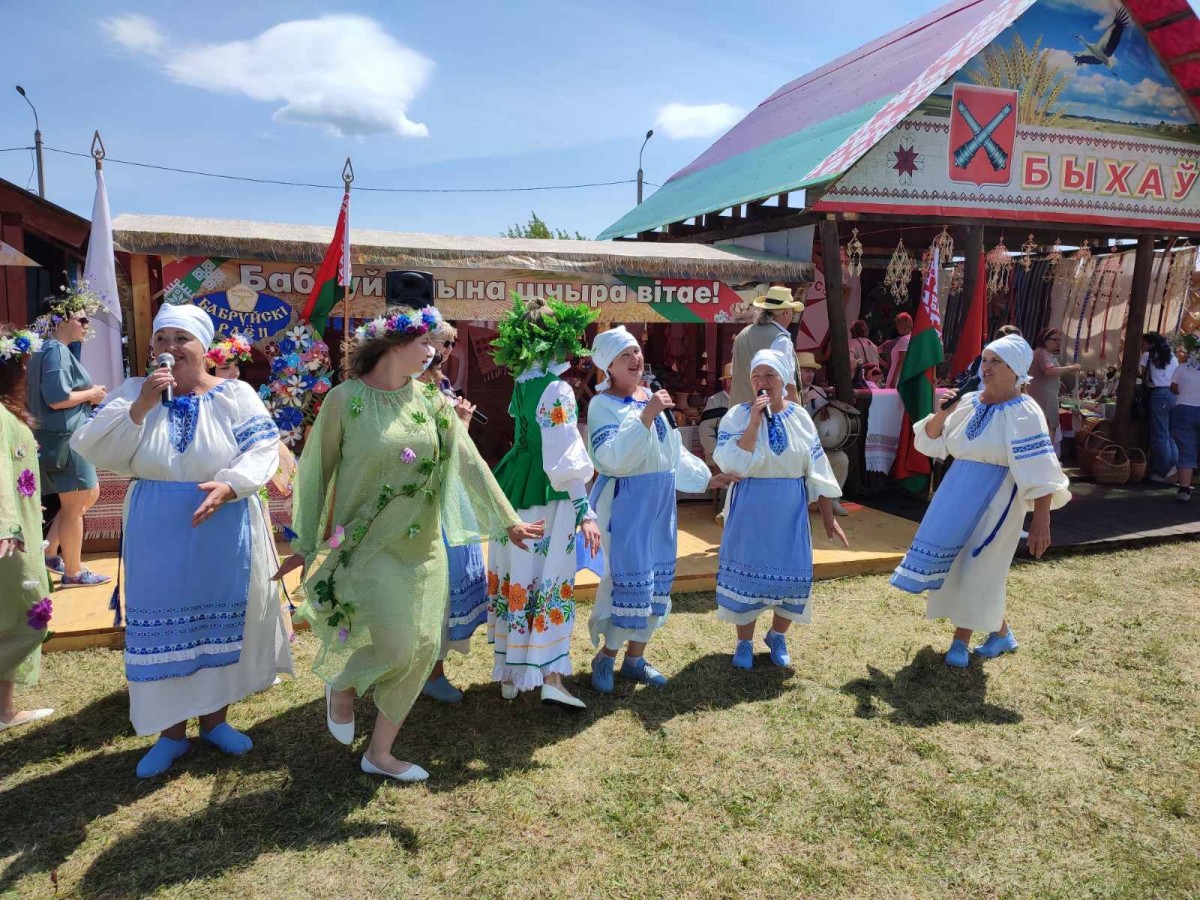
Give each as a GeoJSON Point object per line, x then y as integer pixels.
{"type": "Point", "coordinates": [1071, 769]}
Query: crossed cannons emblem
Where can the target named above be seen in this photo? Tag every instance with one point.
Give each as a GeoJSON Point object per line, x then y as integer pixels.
{"type": "Point", "coordinates": [982, 138]}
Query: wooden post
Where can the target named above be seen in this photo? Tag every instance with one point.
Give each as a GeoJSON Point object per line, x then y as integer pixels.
{"type": "Point", "coordinates": [1139, 295]}
{"type": "Point", "coordinates": [835, 304]}
{"type": "Point", "coordinates": [972, 244]}
{"type": "Point", "coordinates": [143, 316]}
{"type": "Point", "coordinates": [15, 307]}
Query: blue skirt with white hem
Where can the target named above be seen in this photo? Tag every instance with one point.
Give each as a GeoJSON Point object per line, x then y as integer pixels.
{"type": "Point", "coordinates": [766, 552]}
{"type": "Point", "coordinates": [467, 609]}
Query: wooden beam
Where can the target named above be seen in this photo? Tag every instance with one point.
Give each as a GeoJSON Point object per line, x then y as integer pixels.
{"type": "Point", "coordinates": [1168, 20]}
{"type": "Point", "coordinates": [1183, 57]}
{"type": "Point", "coordinates": [1139, 296]}
{"type": "Point", "coordinates": [835, 306]}
{"type": "Point", "coordinates": [737, 228]}
{"type": "Point", "coordinates": [143, 314]}
{"type": "Point", "coordinates": [1012, 225]}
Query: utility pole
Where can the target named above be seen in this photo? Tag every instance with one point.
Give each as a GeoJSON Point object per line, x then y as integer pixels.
{"type": "Point", "coordinates": [649, 134]}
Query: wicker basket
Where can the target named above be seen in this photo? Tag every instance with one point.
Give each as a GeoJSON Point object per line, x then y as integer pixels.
{"type": "Point", "coordinates": [1111, 465]}
{"type": "Point", "coordinates": [1091, 448]}
{"type": "Point", "coordinates": [1102, 427]}
{"type": "Point", "coordinates": [1138, 465]}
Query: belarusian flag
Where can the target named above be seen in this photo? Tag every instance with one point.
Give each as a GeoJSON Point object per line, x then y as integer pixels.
{"type": "Point", "coordinates": [333, 276]}
{"type": "Point", "coordinates": [917, 380]}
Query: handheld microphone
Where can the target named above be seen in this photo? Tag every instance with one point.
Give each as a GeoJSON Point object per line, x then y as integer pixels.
{"type": "Point", "coordinates": [167, 361]}
{"type": "Point", "coordinates": [971, 384]}
{"type": "Point", "coordinates": [770, 415]}
{"type": "Point", "coordinates": [477, 416]}
{"type": "Point", "coordinates": [656, 386]}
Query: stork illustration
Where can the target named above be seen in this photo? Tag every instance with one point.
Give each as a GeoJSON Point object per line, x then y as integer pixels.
{"type": "Point", "coordinates": [1101, 52]}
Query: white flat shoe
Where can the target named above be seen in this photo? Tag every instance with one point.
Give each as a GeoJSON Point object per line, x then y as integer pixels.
{"type": "Point", "coordinates": [552, 696]}
{"type": "Point", "coordinates": [412, 773]}
{"type": "Point", "coordinates": [343, 732]}
{"type": "Point", "coordinates": [508, 691]}
{"type": "Point", "coordinates": [34, 715]}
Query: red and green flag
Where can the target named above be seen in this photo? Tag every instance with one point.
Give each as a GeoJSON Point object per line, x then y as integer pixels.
{"type": "Point", "coordinates": [333, 276]}
{"type": "Point", "coordinates": [917, 380]}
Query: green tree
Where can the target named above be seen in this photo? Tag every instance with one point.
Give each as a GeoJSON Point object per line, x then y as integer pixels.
{"type": "Point", "coordinates": [536, 228]}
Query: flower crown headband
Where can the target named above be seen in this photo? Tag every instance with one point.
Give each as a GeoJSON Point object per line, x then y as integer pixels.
{"type": "Point", "coordinates": [77, 299]}
{"type": "Point", "coordinates": [228, 350]}
{"type": "Point", "coordinates": [16, 344]}
{"type": "Point", "coordinates": [416, 322]}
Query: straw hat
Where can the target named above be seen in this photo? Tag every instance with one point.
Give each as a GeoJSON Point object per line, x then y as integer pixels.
{"type": "Point", "coordinates": [806, 360]}
{"type": "Point", "coordinates": [777, 297]}
{"type": "Point", "coordinates": [727, 372]}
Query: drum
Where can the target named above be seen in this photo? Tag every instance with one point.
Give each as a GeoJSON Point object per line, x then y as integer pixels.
{"type": "Point", "coordinates": [838, 425]}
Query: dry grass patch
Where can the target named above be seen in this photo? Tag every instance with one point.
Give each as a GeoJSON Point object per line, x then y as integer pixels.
{"type": "Point", "coordinates": [1071, 769]}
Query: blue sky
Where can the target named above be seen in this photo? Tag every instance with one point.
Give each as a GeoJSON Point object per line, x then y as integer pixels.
{"type": "Point", "coordinates": [510, 94]}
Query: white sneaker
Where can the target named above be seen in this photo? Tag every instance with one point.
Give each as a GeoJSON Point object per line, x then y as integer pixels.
{"type": "Point", "coordinates": [552, 696]}
{"type": "Point", "coordinates": [1184, 495]}
{"type": "Point", "coordinates": [411, 774]}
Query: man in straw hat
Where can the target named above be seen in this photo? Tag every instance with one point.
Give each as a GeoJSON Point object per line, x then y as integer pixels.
{"type": "Point", "coordinates": [714, 410]}
{"type": "Point", "coordinates": [815, 399]}
{"type": "Point", "coordinates": [777, 308]}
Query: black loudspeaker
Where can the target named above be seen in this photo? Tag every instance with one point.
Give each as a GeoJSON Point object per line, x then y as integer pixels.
{"type": "Point", "coordinates": [413, 289]}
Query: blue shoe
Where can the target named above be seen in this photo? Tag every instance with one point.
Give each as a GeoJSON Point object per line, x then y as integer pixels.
{"type": "Point", "coordinates": [777, 644]}
{"type": "Point", "coordinates": [644, 672]}
{"type": "Point", "coordinates": [56, 566]}
{"type": "Point", "coordinates": [164, 752]}
{"type": "Point", "coordinates": [997, 644]}
{"type": "Point", "coordinates": [743, 656]}
{"type": "Point", "coordinates": [85, 578]}
{"type": "Point", "coordinates": [228, 739]}
{"type": "Point", "coordinates": [602, 673]}
{"type": "Point", "coordinates": [441, 690]}
{"type": "Point", "coordinates": [958, 655]}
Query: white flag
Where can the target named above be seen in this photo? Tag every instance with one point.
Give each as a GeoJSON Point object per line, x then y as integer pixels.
{"type": "Point", "coordinates": [103, 355]}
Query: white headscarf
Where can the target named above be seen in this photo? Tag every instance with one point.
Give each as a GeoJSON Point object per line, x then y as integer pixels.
{"type": "Point", "coordinates": [1016, 353]}
{"type": "Point", "coordinates": [607, 347]}
{"type": "Point", "coordinates": [775, 360]}
{"type": "Point", "coordinates": [189, 318]}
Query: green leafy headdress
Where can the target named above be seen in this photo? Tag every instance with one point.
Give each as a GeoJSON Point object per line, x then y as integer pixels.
{"type": "Point", "coordinates": [540, 333]}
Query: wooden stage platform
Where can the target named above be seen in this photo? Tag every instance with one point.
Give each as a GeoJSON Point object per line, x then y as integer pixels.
{"type": "Point", "coordinates": [878, 540]}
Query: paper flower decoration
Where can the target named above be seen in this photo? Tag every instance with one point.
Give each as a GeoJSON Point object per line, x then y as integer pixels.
{"type": "Point", "coordinates": [339, 535]}
{"type": "Point", "coordinates": [27, 483]}
{"type": "Point", "coordinates": [38, 615]}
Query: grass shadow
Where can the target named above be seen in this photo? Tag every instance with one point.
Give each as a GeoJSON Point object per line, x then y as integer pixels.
{"type": "Point", "coordinates": [928, 692]}
{"type": "Point", "coordinates": [86, 729]}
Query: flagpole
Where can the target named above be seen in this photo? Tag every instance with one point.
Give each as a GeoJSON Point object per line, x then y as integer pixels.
{"type": "Point", "coordinates": [347, 178]}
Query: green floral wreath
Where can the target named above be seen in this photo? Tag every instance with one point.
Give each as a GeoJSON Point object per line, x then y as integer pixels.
{"type": "Point", "coordinates": [538, 333]}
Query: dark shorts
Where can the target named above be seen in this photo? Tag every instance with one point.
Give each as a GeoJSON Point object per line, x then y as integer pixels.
{"type": "Point", "coordinates": [63, 469]}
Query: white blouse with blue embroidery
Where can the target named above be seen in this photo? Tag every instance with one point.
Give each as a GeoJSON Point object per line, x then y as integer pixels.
{"type": "Point", "coordinates": [223, 435]}
{"type": "Point", "coordinates": [622, 446]}
{"type": "Point", "coordinates": [787, 447]}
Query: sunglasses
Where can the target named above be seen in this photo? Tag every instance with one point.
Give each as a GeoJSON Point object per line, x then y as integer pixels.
{"type": "Point", "coordinates": [82, 320]}
{"type": "Point", "coordinates": [448, 344]}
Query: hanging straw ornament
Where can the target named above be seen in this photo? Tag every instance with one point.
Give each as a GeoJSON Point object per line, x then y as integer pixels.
{"type": "Point", "coordinates": [1053, 259]}
{"type": "Point", "coordinates": [900, 270]}
{"type": "Point", "coordinates": [1028, 248]}
{"type": "Point", "coordinates": [944, 244]}
{"type": "Point", "coordinates": [958, 278]}
{"type": "Point", "coordinates": [854, 255]}
{"type": "Point", "coordinates": [1080, 259]}
{"type": "Point", "coordinates": [999, 266]}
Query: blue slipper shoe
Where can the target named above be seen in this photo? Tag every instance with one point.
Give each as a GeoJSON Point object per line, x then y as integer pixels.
{"type": "Point", "coordinates": [441, 690]}
{"type": "Point", "coordinates": [997, 644]}
{"type": "Point", "coordinates": [602, 673]}
{"type": "Point", "coordinates": [958, 655]}
{"type": "Point", "coordinates": [777, 644]}
{"type": "Point", "coordinates": [160, 757]}
{"type": "Point", "coordinates": [228, 739]}
{"type": "Point", "coordinates": [644, 672]}
{"type": "Point", "coordinates": [743, 656]}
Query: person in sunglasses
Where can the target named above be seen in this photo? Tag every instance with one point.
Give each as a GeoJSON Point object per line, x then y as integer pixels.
{"type": "Point", "coordinates": [61, 398]}
{"type": "Point", "coordinates": [1045, 374]}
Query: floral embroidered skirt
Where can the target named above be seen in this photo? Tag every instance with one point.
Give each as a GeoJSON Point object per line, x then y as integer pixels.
{"type": "Point", "coordinates": [531, 600]}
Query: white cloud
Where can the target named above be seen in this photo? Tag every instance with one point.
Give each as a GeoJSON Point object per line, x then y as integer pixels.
{"type": "Point", "coordinates": [681, 120]}
{"type": "Point", "coordinates": [1155, 98]}
{"type": "Point", "coordinates": [1093, 84]}
{"type": "Point", "coordinates": [134, 33]}
{"type": "Point", "coordinates": [343, 73]}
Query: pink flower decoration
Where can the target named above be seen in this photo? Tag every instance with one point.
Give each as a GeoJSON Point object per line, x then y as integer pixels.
{"type": "Point", "coordinates": [26, 483]}
{"type": "Point", "coordinates": [339, 535]}
{"type": "Point", "coordinates": [38, 615]}
{"type": "Point", "coordinates": [408, 456]}
{"type": "Point", "coordinates": [343, 634]}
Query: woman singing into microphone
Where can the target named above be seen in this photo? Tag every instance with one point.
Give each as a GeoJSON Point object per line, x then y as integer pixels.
{"type": "Point", "coordinates": [203, 628]}
{"type": "Point", "coordinates": [766, 551]}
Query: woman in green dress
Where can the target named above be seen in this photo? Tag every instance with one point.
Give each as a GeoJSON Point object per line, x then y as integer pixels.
{"type": "Point", "coordinates": [24, 587]}
{"type": "Point", "coordinates": [387, 468]}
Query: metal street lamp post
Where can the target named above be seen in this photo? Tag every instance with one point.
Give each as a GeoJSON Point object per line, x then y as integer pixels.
{"type": "Point", "coordinates": [649, 134]}
{"type": "Point", "coordinates": [37, 144]}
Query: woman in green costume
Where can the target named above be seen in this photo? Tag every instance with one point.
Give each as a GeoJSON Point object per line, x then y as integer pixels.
{"type": "Point", "coordinates": [387, 467]}
{"type": "Point", "coordinates": [24, 586]}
